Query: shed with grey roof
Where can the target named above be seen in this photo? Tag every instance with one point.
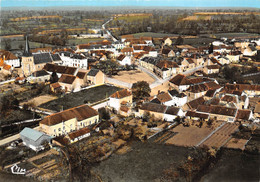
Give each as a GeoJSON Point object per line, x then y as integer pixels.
{"type": "Point", "coordinates": [34, 139]}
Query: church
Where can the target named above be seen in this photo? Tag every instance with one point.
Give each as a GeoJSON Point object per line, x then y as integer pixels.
{"type": "Point", "coordinates": [32, 62]}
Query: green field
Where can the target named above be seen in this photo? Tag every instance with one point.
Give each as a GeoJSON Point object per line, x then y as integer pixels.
{"type": "Point", "coordinates": [83, 41]}
{"type": "Point", "coordinates": [16, 43]}
{"type": "Point", "coordinates": [132, 18]}
{"type": "Point", "coordinates": [152, 34]}
{"type": "Point", "coordinates": [91, 95]}
{"type": "Point", "coordinates": [232, 35]}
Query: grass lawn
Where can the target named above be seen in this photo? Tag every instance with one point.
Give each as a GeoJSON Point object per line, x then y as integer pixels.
{"type": "Point", "coordinates": [78, 98]}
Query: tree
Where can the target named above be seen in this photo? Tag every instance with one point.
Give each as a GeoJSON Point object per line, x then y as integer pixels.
{"type": "Point", "coordinates": [7, 43]}
{"type": "Point", "coordinates": [54, 77]}
{"type": "Point", "coordinates": [21, 46]}
{"type": "Point", "coordinates": [211, 48]}
{"type": "Point", "coordinates": [140, 90]}
{"type": "Point", "coordinates": [179, 41]}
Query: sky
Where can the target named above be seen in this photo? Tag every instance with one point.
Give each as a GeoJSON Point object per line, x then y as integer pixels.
{"type": "Point", "coordinates": [171, 3]}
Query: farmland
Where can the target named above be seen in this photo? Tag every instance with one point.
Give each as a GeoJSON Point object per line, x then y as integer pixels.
{"type": "Point", "coordinates": [196, 18]}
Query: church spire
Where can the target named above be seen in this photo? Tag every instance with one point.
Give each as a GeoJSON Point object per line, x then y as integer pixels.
{"type": "Point", "coordinates": [27, 48]}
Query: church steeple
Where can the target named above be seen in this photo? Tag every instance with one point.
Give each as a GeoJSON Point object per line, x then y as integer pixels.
{"type": "Point", "coordinates": [27, 52]}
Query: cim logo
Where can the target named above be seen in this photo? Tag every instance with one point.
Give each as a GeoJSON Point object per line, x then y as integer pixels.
{"type": "Point", "coordinates": [17, 170]}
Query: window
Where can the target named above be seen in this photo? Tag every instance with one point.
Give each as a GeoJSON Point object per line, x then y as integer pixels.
{"type": "Point", "coordinates": [59, 129]}
{"type": "Point", "coordinates": [54, 130]}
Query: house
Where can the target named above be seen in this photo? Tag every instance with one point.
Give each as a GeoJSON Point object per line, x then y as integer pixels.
{"type": "Point", "coordinates": [95, 77]}
{"type": "Point", "coordinates": [60, 70]}
{"type": "Point", "coordinates": [124, 60]}
{"type": "Point", "coordinates": [172, 112]}
{"type": "Point", "coordinates": [4, 68]}
{"type": "Point", "coordinates": [225, 59]}
{"type": "Point", "coordinates": [149, 63]}
{"type": "Point", "coordinates": [124, 37]}
{"type": "Point", "coordinates": [179, 82]}
{"type": "Point", "coordinates": [222, 49]}
{"type": "Point", "coordinates": [151, 51]}
{"type": "Point", "coordinates": [74, 60]}
{"type": "Point", "coordinates": [187, 64]}
{"type": "Point", "coordinates": [218, 112]}
{"type": "Point", "coordinates": [166, 69]}
{"type": "Point", "coordinates": [155, 109]}
{"type": "Point", "coordinates": [186, 48]}
{"type": "Point", "coordinates": [249, 51]}
{"type": "Point", "coordinates": [118, 45]}
{"type": "Point", "coordinates": [70, 83]}
{"type": "Point", "coordinates": [163, 98]}
{"type": "Point", "coordinates": [257, 111]}
{"type": "Point", "coordinates": [78, 135]}
{"type": "Point", "coordinates": [244, 115]}
{"type": "Point", "coordinates": [148, 40]}
{"type": "Point", "coordinates": [55, 87]}
{"type": "Point", "coordinates": [42, 49]}
{"type": "Point", "coordinates": [39, 76]}
{"type": "Point", "coordinates": [69, 120]}
{"type": "Point", "coordinates": [198, 90]}
{"type": "Point", "coordinates": [167, 52]}
{"type": "Point", "coordinates": [196, 116]}
{"type": "Point", "coordinates": [128, 51]}
{"type": "Point", "coordinates": [168, 113]}
{"type": "Point", "coordinates": [10, 59]}
{"type": "Point", "coordinates": [121, 98]}
{"type": "Point", "coordinates": [250, 90]}
{"type": "Point", "coordinates": [233, 57]}
{"type": "Point", "coordinates": [167, 41]}
{"type": "Point", "coordinates": [211, 69]}
{"type": "Point", "coordinates": [178, 99]}
{"type": "Point", "coordinates": [34, 139]}
{"type": "Point", "coordinates": [194, 104]}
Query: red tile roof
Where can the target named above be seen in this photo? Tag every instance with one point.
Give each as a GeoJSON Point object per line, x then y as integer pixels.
{"type": "Point", "coordinates": [81, 113]}
{"type": "Point", "coordinates": [78, 133]}
{"type": "Point", "coordinates": [121, 94]}
{"type": "Point", "coordinates": [69, 79]}
{"type": "Point", "coordinates": [219, 110]}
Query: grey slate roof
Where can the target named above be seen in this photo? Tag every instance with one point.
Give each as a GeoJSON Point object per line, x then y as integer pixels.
{"type": "Point", "coordinates": [151, 60]}
{"type": "Point", "coordinates": [40, 58]}
{"type": "Point", "coordinates": [93, 72]}
{"type": "Point", "coordinates": [40, 73]}
{"type": "Point", "coordinates": [56, 57]}
{"type": "Point", "coordinates": [31, 134]}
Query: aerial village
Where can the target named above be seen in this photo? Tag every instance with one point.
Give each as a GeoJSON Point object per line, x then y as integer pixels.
{"type": "Point", "coordinates": [164, 93]}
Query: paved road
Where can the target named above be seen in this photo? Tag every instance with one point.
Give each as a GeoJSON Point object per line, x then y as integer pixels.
{"type": "Point", "coordinates": [108, 32]}
{"type": "Point", "coordinates": [98, 106]}
{"type": "Point", "coordinates": [118, 82]}
{"type": "Point", "coordinates": [12, 138]}
{"type": "Point", "coordinates": [188, 72]}
{"type": "Point", "coordinates": [8, 81]}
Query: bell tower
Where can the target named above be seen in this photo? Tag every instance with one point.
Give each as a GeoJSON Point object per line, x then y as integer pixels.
{"type": "Point", "coordinates": [27, 60]}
